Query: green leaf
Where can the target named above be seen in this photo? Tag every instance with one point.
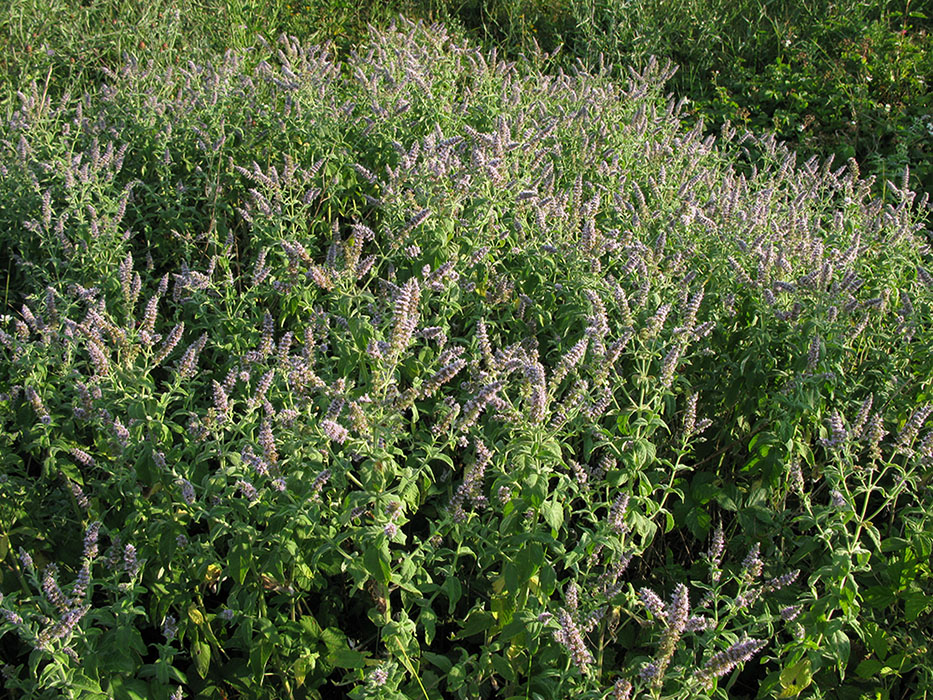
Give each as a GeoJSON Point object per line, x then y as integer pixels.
{"type": "Point", "coordinates": [699, 522]}
{"type": "Point", "coordinates": [553, 512]}
{"type": "Point", "coordinates": [428, 620]}
{"type": "Point", "coordinates": [915, 602]}
{"type": "Point", "coordinates": [375, 560]}
{"type": "Point", "coordinates": [129, 689]}
{"type": "Point", "coordinates": [478, 621]}
{"type": "Point", "coordinates": [238, 560]}
{"type": "Point", "coordinates": [879, 597]}
{"type": "Point", "coordinates": [868, 668]}
{"type": "Point", "coordinates": [548, 579]}
{"type": "Point", "coordinates": [510, 574]}
{"type": "Point", "coordinates": [201, 653]}
{"type": "Point", "coordinates": [527, 561]}
{"type": "Point", "coordinates": [439, 660]}
{"type": "Point", "coordinates": [839, 644]}
{"type": "Point", "coordinates": [503, 667]}
{"type": "Point", "coordinates": [347, 658]}
{"type": "Point", "coordinates": [453, 590]}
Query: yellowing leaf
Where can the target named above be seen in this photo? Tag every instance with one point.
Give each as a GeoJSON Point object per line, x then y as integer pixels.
{"type": "Point", "coordinates": [795, 678]}
{"type": "Point", "coordinates": [197, 617]}
{"type": "Point", "coordinates": [213, 573]}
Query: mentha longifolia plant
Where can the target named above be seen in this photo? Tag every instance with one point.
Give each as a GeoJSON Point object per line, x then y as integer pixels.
{"type": "Point", "coordinates": [425, 374]}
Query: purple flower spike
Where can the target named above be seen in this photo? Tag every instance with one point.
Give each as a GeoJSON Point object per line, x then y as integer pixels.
{"type": "Point", "coordinates": [720, 664]}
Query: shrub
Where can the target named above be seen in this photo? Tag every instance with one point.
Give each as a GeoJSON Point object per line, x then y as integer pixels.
{"type": "Point", "coordinates": [426, 374]}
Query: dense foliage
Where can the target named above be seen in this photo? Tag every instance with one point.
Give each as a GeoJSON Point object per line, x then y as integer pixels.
{"type": "Point", "coordinates": [847, 78]}
{"type": "Point", "coordinates": [426, 374]}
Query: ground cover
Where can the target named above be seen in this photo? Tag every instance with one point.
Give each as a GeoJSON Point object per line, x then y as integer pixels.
{"type": "Point", "coordinates": [421, 373]}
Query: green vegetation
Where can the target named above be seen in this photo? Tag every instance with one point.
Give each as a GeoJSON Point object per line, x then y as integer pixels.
{"type": "Point", "coordinates": [385, 367]}
{"type": "Point", "coordinates": [850, 78]}
{"type": "Point", "coordinates": [846, 78]}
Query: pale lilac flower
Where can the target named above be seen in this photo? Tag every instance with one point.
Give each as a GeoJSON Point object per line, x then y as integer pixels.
{"type": "Point", "coordinates": [442, 376]}
{"type": "Point", "coordinates": [649, 673]}
{"type": "Point", "coordinates": [318, 484]}
{"type": "Point", "coordinates": [573, 601]}
{"type": "Point", "coordinates": [715, 552]}
{"type": "Point", "coordinates": [813, 355]}
{"type": "Point", "coordinates": [90, 540]}
{"type": "Point", "coordinates": [187, 491]}
{"type": "Point", "coordinates": [669, 365]}
{"type": "Point", "coordinates": [26, 560]}
{"type": "Point", "coordinates": [334, 431]}
{"type": "Point", "coordinates": [37, 405]}
{"type": "Point", "coordinates": [696, 623]}
{"type": "Point", "coordinates": [405, 316]}
{"type": "Point", "coordinates": [120, 430]}
{"type": "Point", "coordinates": [876, 433]}
{"type": "Point", "coordinates": [783, 580]}
{"type": "Point", "coordinates": [720, 664]}
{"type": "Point", "coordinates": [11, 617]}
{"type": "Point", "coordinates": [187, 366]}
{"type": "Point", "coordinates": [80, 498]}
{"type": "Point", "coordinates": [130, 563]}
{"type": "Point", "coordinates": [378, 677]}
{"type": "Point", "coordinates": [50, 587]}
{"type": "Point", "coordinates": [653, 603]}
{"type": "Point", "coordinates": [247, 489]}
{"type": "Point", "coordinates": [690, 415]}
{"type": "Point", "coordinates": [221, 403]}
{"type": "Point", "coordinates": [82, 457]}
{"type": "Point", "coordinates": [838, 432]}
{"type": "Point", "coordinates": [570, 637]}
{"type": "Point", "coordinates": [267, 442]}
{"type": "Point", "coordinates": [617, 513]}
{"type": "Point", "coordinates": [622, 690]}
{"type": "Point", "coordinates": [909, 432]}
{"type": "Point", "coordinates": [169, 628]}
{"type": "Point", "coordinates": [679, 609]}
{"type": "Point", "coordinates": [169, 343]}
{"type": "Point", "coordinates": [752, 564]}
{"type": "Point", "coordinates": [570, 360]}
{"type": "Point", "coordinates": [66, 625]}
{"type": "Point", "coordinates": [656, 322]}
{"type": "Point", "coordinates": [796, 476]}
{"type": "Point", "coordinates": [472, 484]}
